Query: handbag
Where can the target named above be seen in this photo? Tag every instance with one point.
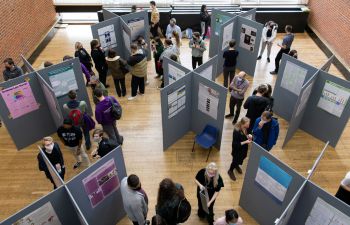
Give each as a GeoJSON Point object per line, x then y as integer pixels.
{"type": "Point", "coordinates": [116, 110]}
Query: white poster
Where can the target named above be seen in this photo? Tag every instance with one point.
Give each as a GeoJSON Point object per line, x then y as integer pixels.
{"type": "Point", "coordinates": [137, 27]}
{"type": "Point", "coordinates": [107, 37]}
{"type": "Point", "coordinates": [227, 35]}
{"type": "Point", "coordinates": [63, 80]}
{"type": "Point", "coordinates": [176, 101]}
{"type": "Point", "coordinates": [304, 98]}
{"type": "Point", "coordinates": [207, 73]}
{"type": "Point", "coordinates": [293, 78]}
{"type": "Point", "coordinates": [323, 213]}
{"type": "Point", "coordinates": [208, 101]}
{"type": "Point", "coordinates": [127, 42]}
{"type": "Point", "coordinates": [174, 73]}
{"type": "Point", "coordinates": [334, 98]}
{"type": "Point", "coordinates": [248, 36]}
{"type": "Point", "coordinates": [43, 215]}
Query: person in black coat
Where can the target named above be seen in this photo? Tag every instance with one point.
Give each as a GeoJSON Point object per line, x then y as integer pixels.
{"type": "Point", "coordinates": [53, 153]}
{"type": "Point", "coordinates": [104, 145]}
{"type": "Point", "coordinates": [205, 20]}
{"type": "Point", "coordinates": [98, 55]}
{"type": "Point", "coordinates": [240, 141]}
{"type": "Point", "coordinates": [83, 56]}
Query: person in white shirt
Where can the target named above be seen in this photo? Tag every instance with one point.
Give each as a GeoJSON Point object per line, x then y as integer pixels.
{"type": "Point", "coordinates": [171, 28]}
{"type": "Point", "coordinates": [343, 192]}
{"type": "Point", "coordinates": [231, 218]}
{"type": "Point", "coordinates": [268, 36]}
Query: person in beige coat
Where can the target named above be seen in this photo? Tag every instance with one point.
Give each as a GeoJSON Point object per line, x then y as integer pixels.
{"type": "Point", "coordinates": [117, 67]}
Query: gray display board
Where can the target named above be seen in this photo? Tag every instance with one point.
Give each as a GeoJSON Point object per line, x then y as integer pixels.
{"type": "Point", "coordinates": [61, 204]}
{"type": "Point", "coordinates": [313, 169]}
{"type": "Point", "coordinates": [327, 64]}
{"type": "Point", "coordinates": [31, 127]}
{"type": "Point", "coordinates": [208, 69]}
{"type": "Point", "coordinates": [260, 204]}
{"type": "Point", "coordinates": [108, 15]}
{"type": "Point", "coordinates": [307, 200]}
{"type": "Point", "coordinates": [82, 219]}
{"type": "Point", "coordinates": [250, 15]}
{"type": "Point", "coordinates": [126, 37]}
{"type": "Point", "coordinates": [171, 66]}
{"type": "Point", "coordinates": [82, 93]}
{"type": "Point", "coordinates": [52, 170]}
{"type": "Point", "coordinates": [285, 100]}
{"type": "Point", "coordinates": [28, 67]}
{"type": "Point", "coordinates": [110, 210]}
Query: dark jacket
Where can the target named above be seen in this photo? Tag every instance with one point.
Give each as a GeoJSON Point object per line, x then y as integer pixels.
{"type": "Point", "coordinates": [55, 157]}
{"type": "Point", "coordinates": [273, 133]}
{"type": "Point", "coordinates": [103, 111]}
{"type": "Point", "coordinates": [158, 52]}
{"type": "Point", "coordinates": [205, 17]}
{"type": "Point", "coordinates": [116, 67]}
{"type": "Point", "coordinates": [138, 63]}
{"type": "Point", "coordinates": [255, 106]}
{"type": "Point", "coordinates": [11, 74]}
{"type": "Point", "coordinates": [83, 56]}
{"type": "Point", "coordinates": [99, 58]}
{"type": "Point", "coordinates": [239, 152]}
{"type": "Point", "coordinates": [104, 147]}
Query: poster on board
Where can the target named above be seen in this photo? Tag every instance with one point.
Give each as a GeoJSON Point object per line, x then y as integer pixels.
{"type": "Point", "coordinates": [227, 35]}
{"type": "Point", "coordinates": [208, 101]}
{"type": "Point", "coordinates": [273, 179]}
{"type": "Point", "coordinates": [219, 20]}
{"type": "Point", "coordinates": [174, 73]}
{"type": "Point", "coordinates": [43, 215]}
{"type": "Point", "coordinates": [19, 100]}
{"type": "Point", "coordinates": [207, 73]}
{"type": "Point", "coordinates": [101, 183]}
{"type": "Point", "coordinates": [304, 98]}
{"type": "Point", "coordinates": [247, 37]}
{"type": "Point", "coordinates": [323, 213]}
{"type": "Point", "coordinates": [63, 80]}
{"type": "Point", "coordinates": [293, 78]}
{"type": "Point", "coordinates": [333, 98]}
{"type": "Point", "coordinates": [176, 101]}
{"type": "Point", "coordinates": [107, 37]}
{"type": "Point", "coordinates": [137, 27]}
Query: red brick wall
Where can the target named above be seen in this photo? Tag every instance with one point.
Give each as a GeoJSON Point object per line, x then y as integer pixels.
{"type": "Point", "coordinates": [331, 20]}
{"type": "Point", "coordinates": [23, 23]}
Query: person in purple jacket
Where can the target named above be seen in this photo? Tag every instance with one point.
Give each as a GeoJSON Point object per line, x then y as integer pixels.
{"type": "Point", "coordinates": [103, 116]}
{"type": "Point", "coordinates": [83, 68]}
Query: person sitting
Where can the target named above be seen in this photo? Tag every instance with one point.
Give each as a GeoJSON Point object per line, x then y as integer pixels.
{"type": "Point", "coordinates": [171, 28]}
{"type": "Point", "coordinates": [266, 130]}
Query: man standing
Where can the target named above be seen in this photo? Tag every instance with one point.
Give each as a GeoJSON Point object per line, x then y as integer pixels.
{"type": "Point", "coordinates": [285, 47]}
{"type": "Point", "coordinates": [134, 199]}
{"type": "Point", "coordinates": [266, 130]}
{"type": "Point", "coordinates": [171, 28]}
{"type": "Point", "coordinates": [154, 19]}
{"type": "Point", "coordinates": [198, 47]}
{"type": "Point", "coordinates": [11, 70]}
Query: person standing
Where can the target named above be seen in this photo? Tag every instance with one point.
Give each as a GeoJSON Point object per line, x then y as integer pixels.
{"type": "Point", "coordinates": [157, 47]}
{"type": "Point", "coordinates": [96, 84]}
{"type": "Point", "coordinates": [343, 192]}
{"type": "Point", "coordinates": [268, 36]}
{"type": "Point", "coordinates": [231, 218]}
{"type": "Point", "coordinates": [138, 70]}
{"type": "Point", "coordinates": [72, 137]}
{"type": "Point", "coordinates": [238, 87]}
{"type": "Point", "coordinates": [134, 199]}
{"type": "Point", "coordinates": [240, 141]}
{"type": "Point", "coordinates": [98, 55]}
{"type": "Point", "coordinates": [104, 117]}
{"type": "Point", "coordinates": [104, 145]}
{"type": "Point", "coordinates": [11, 70]}
{"type": "Point", "coordinates": [208, 179]}
{"type": "Point", "coordinates": [285, 47]}
{"type": "Point", "coordinates": [230, 62]}
{"type": "Point", "coordinates": [83, 69]}
{"type": "Point", "coordinates": [53, 152]}
{"type": "Point", "coordinates": [83, 56]}
{"type": "Point", "coordinates": [117, 67]}
{"type": "Point", "coordinates": [154, 19]}
{"type": "Point", "coordinates": [171, 28]}
{"type": "Point", "coordinates": [266, 130]}
{"type": "Point", "coordinates": [205, 20]}
{"type": "Point", "coordinates": [198, 47]}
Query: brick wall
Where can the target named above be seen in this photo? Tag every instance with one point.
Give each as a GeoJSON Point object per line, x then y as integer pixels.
{"type": "Point", "coordinates": [23, 23]}
{"type": "Point", "coordinates": [331, 20]}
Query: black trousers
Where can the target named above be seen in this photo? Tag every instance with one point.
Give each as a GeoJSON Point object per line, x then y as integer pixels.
{"type": "Point", "coordinates": [228, 72]}
{"type": "Point", "coordinates": [238, 103]}
{"type": "Point", "coordinates": [205, 30]}
{"type": "Point", "coordinates": [120, 87]}
{"type": "Point", "coordinates": [279, 57]}
{"type": "Point", "coordinates": [102, 74]}
{"type": "Point", "coordinates": [202, 213]}
{"type": "Point", "coordinates": [48, 175]}
{"type": "Point", "coordinates": [137, 83]}
{"type": "Point", "coordinates": [154, 30]}
{"type": "Point", "coordinates": [196, 60]}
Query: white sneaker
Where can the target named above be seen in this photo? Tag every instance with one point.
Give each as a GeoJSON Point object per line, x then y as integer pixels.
{"type": "Point", "coordinates": [131, 98]}
{"type": "Point", "coordinates": [147, 82]}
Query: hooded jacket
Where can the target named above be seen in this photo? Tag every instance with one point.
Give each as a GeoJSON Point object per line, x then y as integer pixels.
{"type": "Point", "coordinates": [103, 111]}
{"type": "Point", "coordinates": [114, 66]}
{"type": "Point", "coordinates": [138, 64]}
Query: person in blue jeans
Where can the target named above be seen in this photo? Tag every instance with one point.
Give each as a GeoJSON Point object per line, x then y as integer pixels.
{"type": "Point", "coordinates": [266, 130]}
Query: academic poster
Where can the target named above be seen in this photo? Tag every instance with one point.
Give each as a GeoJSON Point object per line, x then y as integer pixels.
{"type": "Point", "coordinates": [207, 73]}
{"type": "Point", "coordinates": [176, 101]}
{"type": "Point", "coordinates": [227, 35]}
{"type": "Point", "coordinates": [174, 73]}
{"type": "Point", "coordinates": [247, 37]}
{"type": "Point", "coordinates": [137, 27]}
{"type": "Point", "coordinates": [293, 78]}
{"type": "Point", "coordinates": [63, 80]}
{"type": "Point", "coordinates": [208, 101]}
{"type": "Point", "coordinates": [107, 37]}
{"type": "Point", "coordinates": [219, 20]}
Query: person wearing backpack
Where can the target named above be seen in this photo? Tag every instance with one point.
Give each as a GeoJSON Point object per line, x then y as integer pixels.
{"type": "Point", "coordinates": [75, 110]}
{"type": "Point", "coordinates": [72, 138]}
{"type": "Point", "coordinates": [104, 116]}
{"type": "Point", "coordinates": [117, 67]}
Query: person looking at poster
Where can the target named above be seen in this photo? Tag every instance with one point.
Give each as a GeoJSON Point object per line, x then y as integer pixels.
{"type": "Point", "coordinates": [231, 218]}
{"type": "Point", "coordinates": [230, 57]}
{"type": "Point", "coordinates": [83, 56]}
{"type": "Point", "coordinates": [104, 147]}
{"type": "Point", "coordinates": [268, 36]}
{"type": "Point", "coordinates": [135, 200]}
{"type": "Point", "coordinates": [208, 179]}
{"type": "Point", "coordinates": [83, 69]}
{"type": "Point", "coordinates": [11, 70]}
{"type": "Point", "coordinates": [98, 55]}
{"type": "Point", "coordinates": [53, 152]}
{"type": "Point", "coordinates": [154, 19]}
{"type": "Point", "coordinates": [96, 84]}
{"type": "Point", "coordinates": [343, 192]}
{"type": "Point", "coordinates": [198, 47]}
{"type": "Point", "coordinates": [171, 28]}
{"type": "Point", "coordinates": [205, 21]}
{"type": "Point", "coordinates": [285, 47]}
{"type": "Point", "coordinates": [157, 48]}
{"type": "Point", "coordinates": [117, 67]}
{"type": "Point", "coordinates": [266, 130]}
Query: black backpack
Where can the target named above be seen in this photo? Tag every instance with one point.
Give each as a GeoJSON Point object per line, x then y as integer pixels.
{"type": "Point", "coordinates": [183, 211]}
{"type": "Point", "coordinates": [116, 110]}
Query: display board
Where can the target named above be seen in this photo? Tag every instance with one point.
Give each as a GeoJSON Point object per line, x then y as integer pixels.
{"type": "Point", "coordinates": [52, 170]}
{"type": "Point", "coordinates": [327, 65]}
{"type": "Point", "coordinates": [250, 15]}
{"type": "Point", "coordinates": [126, 39]}
{"type": "Point", "coordinates": [173, 71]}
{"type": "Point", "coordinates": [82, 218]}
{"type": "Point", "coordinates": [208, 69]}
{"type": "Point", "coordinates": [259, 201]}
{"type": "Point", "coordinates": [317, 161]}
{"type": "Point", "coordinates": [28, 67]}
{"type": "Point", "coordinates": [97, 191]}
{"type": "Point", "coordinates": [108, 15]}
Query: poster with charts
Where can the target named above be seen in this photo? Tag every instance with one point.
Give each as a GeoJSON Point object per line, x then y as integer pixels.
{"type": "Point", "coordinates": [219, 20]}
{"type": "Point", "coordinates": [101, 183]}
{"type": "Point", "coordinates": [323, 213]}
{"type": "Point", "coordinates": [174, 73]}
{"type": "Point", "coordinates": [107, 37]}
{"type": "Point", "coordinates": [45, 215]}
{"type": "Point", "coordinates": [227, 35]}
{"type": "Point", "coordinates": [272, 178]}
{"type": "Point", "coordinates": [293, 78]}
{"type": "Point", "coordinates": [304, 98]}
{"type": "Point", "coordinates": [19, 100]}
{"type": "Point", "coordinates": [137, 27]}
{"type": "Point", "coordinates": [208, 101]}
{"type": "Point", "coordinates": [247, 37]}
{"type": "Point", "coordinates": [334, 98]}
{"type": "Point", "coordinates": [63, 80]}
{"type": "Point", "coordinates": [127, 42]}
{"type": "Point", "coordinates": [207, 73]}
{"type": "Point", "coordinates": [176, 101]}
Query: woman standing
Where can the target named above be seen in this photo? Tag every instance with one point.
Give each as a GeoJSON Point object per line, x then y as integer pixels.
{"type": "Point", "coordinates": [98, 55]}
{"type": "Point", "coordinates": [240, 141]}
{"type": "Point", "coordinates": [157, 48]}
{"type": "Point", "coordinates": [208, 179]}
{"type": "Point", "coordinates": [205, 20]}
{"type": "Point", "coordinates": [117, 67]}
{"type": "Point", "coordinates": [83, 56]}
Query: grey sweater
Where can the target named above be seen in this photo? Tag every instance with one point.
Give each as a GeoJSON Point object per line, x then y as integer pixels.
{"type": "Point", "coordinates": [197, 52]}
{"type": "Point", "coordinates": [242, 85]}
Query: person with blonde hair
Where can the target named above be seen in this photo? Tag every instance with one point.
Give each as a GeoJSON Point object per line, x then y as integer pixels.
{"type": "Point", "coordinates": [83, 56]}
{"type": "Point", "coordinates": [208, 179]}
{"type": "Point", "coordinates": [240, 141]}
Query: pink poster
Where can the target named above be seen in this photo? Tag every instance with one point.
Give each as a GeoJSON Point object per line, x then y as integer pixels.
{"type": "Point", "coordinates": [19, 100]}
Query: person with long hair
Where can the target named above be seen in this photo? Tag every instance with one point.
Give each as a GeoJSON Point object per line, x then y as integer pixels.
{"type": "Point", "coordinates": [205, 20]}
{"type": "Point", "coordinates": [98, 55]}
{"type": "Point", "coordinates": [240, 141]}
{"type": "Point", "coordinates": [83, 56]}
{"type": "Point", "coordinates": [210, 180]}
{"type": "Point", "coordinates": [117, 67]}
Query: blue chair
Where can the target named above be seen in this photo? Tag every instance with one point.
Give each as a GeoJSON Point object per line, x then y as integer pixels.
{"type": "Point", "coordinates": [207, 138]}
